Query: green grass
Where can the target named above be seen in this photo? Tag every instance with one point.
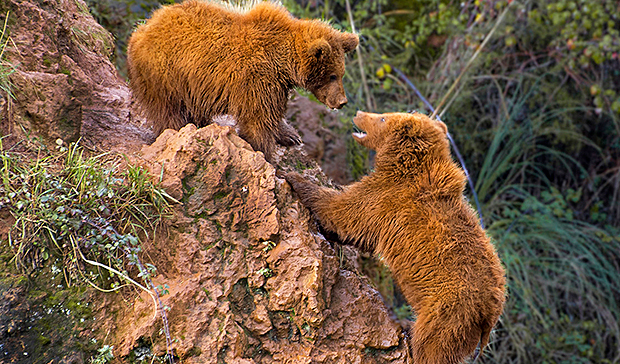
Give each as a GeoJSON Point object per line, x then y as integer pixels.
{"type": "Point", "coordinates": [6, 68]}
{"type": "Point", "coordinates": [563, 295]}
{"type": "Point", "coordinates": [562, 267]}
{"type": "Point", "coordinates": [537, 122]}
{"type": "Point", "coordinates": [64, 202]}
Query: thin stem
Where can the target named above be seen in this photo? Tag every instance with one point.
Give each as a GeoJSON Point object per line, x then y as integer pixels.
{"type": "Point", "coordinates": [471, 60]}
{"type": "Point", "coordinates": [92, 262]}
{"type": "Point", "coordinates": [369, 104]}
{"type": "Point", "coordinates": [148, 280]}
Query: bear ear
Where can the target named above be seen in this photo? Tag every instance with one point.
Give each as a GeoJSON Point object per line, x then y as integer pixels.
{"type": "Point", "coordinates": [319, 48]}
{"type": "Point", "coordinates": [349, 42]}
{"type": "Point", "coordinates": [442, 126]}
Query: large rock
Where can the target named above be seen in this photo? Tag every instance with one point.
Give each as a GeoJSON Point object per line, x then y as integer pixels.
{"type": "Point", "coordinates": [251, 281]}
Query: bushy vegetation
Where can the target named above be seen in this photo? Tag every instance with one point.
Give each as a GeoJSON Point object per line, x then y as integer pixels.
{"type": "Point", "coordinates": [85, 216]}
{"type": "Point", "coordinates": [537, 120]}
{"type": "Point", "coordinates": [71, 207]}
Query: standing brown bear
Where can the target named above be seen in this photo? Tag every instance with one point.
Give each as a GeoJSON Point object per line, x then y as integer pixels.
{"type": "Point", "coordinates": [412, 212]}
{"type": "Point", "coordinates": [199, 59]}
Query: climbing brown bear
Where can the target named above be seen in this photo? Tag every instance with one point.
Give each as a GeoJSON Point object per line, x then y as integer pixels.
{"type": "Point", "coordinates": [198, 59]}
{"type": "Point", "coordinates": [411, 211]}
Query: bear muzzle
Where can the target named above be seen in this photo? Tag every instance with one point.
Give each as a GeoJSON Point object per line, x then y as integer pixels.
{"type": "Point", "coordinates": [338, 103]}
{"type": "Point", "coordinates": [360, 121]}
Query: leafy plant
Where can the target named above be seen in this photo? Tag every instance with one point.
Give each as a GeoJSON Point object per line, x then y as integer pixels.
{"type": "Point", "coordinates": [105, 355]}
{"type": "Point", "coordinates": [86, 212]}
{"type": "Point", "coordinates": [266, 272]}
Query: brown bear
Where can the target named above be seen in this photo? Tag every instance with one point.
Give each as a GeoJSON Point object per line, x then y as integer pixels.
{"type": "Point", "coordinates": [199, 59]}
{"type": "Point", "coordinates": [411, 211]}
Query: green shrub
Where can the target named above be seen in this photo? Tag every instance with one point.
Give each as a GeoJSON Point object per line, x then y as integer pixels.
{"type": "Point", "coordinates": [77, 209]}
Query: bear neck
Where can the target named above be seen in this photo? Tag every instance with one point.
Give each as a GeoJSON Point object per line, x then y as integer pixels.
{"type": "Point", "coordinates": [431, 172]}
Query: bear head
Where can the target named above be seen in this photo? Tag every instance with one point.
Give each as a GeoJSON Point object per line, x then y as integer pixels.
{"type": "Point", "coordinates": [402, 138]}
{"type": "Point", "coordinates": [324, 67]}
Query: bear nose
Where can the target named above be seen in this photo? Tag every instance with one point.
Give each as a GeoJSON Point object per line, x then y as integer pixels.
{"type": "Point", "coordinates": [342, 102]}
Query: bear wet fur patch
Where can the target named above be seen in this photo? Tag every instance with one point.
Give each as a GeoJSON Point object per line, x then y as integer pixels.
{"type": "Point", "coordinates": [411, 211]}
{"type": "Point", "coordinates": [199, 59]}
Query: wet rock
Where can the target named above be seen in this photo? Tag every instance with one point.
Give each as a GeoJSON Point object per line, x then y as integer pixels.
{"type": "Point", "coordinates": [13, 309]}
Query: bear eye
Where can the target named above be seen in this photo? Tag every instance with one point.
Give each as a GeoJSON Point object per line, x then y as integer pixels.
{"type": "Point", "coordinates": [333, 77]}
{"type": "Point", "coordinates": [383, 120]}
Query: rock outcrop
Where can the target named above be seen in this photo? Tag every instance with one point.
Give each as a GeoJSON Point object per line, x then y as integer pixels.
{"type": "Point", "coordinates": [63, 83]}
{"type": "Point", "coordinates": [250, 279]}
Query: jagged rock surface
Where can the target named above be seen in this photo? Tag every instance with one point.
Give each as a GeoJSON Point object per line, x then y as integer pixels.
{"type": "Point", "coordinates": [250, 279]}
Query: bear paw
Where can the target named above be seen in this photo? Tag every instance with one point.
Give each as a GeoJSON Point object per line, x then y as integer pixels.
{"type": "Point", "coordinates": [294, 178]}
{"type": "Point", "coordinates": [287, 135]}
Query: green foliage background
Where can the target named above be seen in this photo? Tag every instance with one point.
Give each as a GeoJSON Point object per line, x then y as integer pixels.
{"type": "Point", "coordinates": [537, 119]}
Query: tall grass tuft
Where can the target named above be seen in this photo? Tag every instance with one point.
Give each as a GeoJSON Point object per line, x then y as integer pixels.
{"type": "Point", "coordinates": [563, 291]}
{"type": "Point", "coordinates": [6, 68]}
{"type": "Point", "coordinates": [58, 198]}
{"type": "Point", "coordinates": [562, 271]}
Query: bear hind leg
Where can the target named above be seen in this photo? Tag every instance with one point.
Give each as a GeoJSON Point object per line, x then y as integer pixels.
{"type": "Point", "coordinates": [439, 341]}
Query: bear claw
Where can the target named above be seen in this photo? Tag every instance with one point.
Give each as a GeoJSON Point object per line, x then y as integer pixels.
{"type": "Point", "coordinates": [287, 135]}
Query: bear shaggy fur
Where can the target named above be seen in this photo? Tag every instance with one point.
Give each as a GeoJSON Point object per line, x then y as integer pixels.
{"type": "Point", "coordinates": [199, 59]}
{"type": "Point", "coordinates": [412, 212]}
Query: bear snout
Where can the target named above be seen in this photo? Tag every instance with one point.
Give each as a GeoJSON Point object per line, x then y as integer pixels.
{"type": "Point", "coordinates": [343, 101]}
{"type": "Point", "coordinates": [337, 102]}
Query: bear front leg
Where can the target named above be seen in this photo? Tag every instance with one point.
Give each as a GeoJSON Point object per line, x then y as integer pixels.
{"type": "Point", "coordinates": [287, 135]}
{"type": "Point", "coordinates": [260, 118]}
{"type": "Point", "coordinates": [340, 212]}
{"type": "Point", "coordinates": [254, 128]}
{"type": "Point", "coordinates": [308, 192]}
